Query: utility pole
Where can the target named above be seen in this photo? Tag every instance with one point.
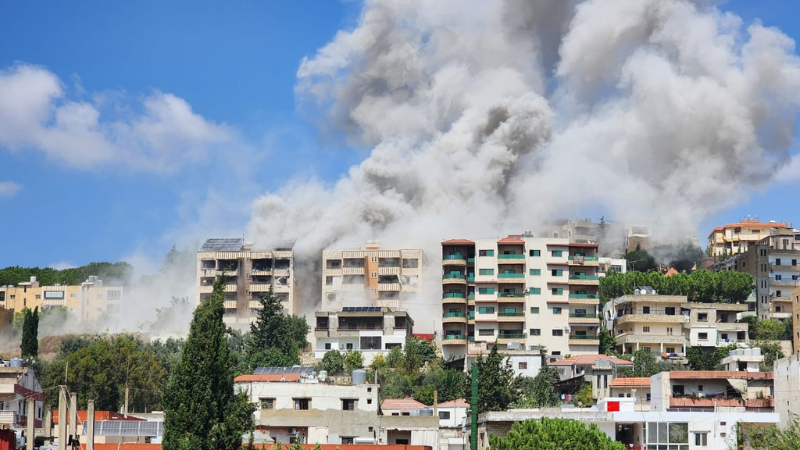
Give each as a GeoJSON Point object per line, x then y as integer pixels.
{"type": "Point", "coordinates": [48, 425]}
{"type": "Point", "coordinates": [435, 402]}
{"type": "Point", "coordinates": [29, 431]}
{"type": "Point", "coordinates": [473, 438]}
{"type": "Point", "coordinates": [73, 416]}
{"type": "Point", "coordinates": [127, 390]}
{"type": "Point", "coordinates": [62, 418]}
{"type": "Point", "coordinates": [90, 424]}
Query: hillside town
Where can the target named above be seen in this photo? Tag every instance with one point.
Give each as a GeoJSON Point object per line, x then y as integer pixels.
{"type": "Point", "coordinates": [528, 327]}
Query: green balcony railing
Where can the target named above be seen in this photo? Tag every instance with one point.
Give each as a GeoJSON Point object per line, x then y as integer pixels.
{"type": "Point", "coordinates": [511, 275]}
{"type": "Point", "coordinates": [471, 315]}
{"type": "Point", "coordinates": [510, 314]}
{"type": "Point", "coordinates": [471, 279]}
{"type": "Point", "coordinates": [471, 339]}
{"type": "Point", "coordinates": [584, 277]}
{"type": "Point", "coordinates": [448, 337]}
{"type": "Point", "coordinates": [453, 276]}
{"type": "Point", "coordinates": [454, 256]}
{"type": "Point", "coordinates": [470, 260]}
{"type": "Point", "coordinates": [471, 297]}
{"type": "Point", "coordinates": [453, 314]}
{"type": "Point", "coordinates": [512, 256]}
{"type": "Point", "coordinates": [585, 258]}
{"type": "Point", "coordinates": [589, 296]}
{"type": "Point", "coordinates": [511, 336]}
{"type": "Point", "coordinates": [511, 294]}
{"type": "Point", "coordinates": [583, 337]}
{"type": "Point", "coordinates": [453, 295]}
{"type": "Point", "coordinates": [584, 316]}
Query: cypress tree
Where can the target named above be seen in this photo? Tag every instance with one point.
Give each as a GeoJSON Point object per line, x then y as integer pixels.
{"type": "Point", "coordinates": [201, 410]}
{"type": "Point", "coordinates": [30, 330]}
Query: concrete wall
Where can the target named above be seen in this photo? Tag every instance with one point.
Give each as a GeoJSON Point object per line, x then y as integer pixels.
{"type": "Point", "coordinates": [787, 387]}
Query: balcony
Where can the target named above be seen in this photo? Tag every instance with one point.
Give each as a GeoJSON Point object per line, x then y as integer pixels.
{"type": "Point", "coordinates": [254, 304]}
{"type": "Point", "coordinates": [230, 304]}
{"type": "Point", "coordinates": [510, 317]}
{"type": "Point", "coordinates": [515, 257]}
{"type": "Point", "coordinates": [583, 299]}
{"type": "Point", "coordinates": [261, 272]}
{"type": "Point", "coordinates": [471, 296]}
{"type": "Point", "coordinates": [583, 339]}
{"type": "Point", "coordinates": [259, 287]}
{"type": "Point", "coordinates": [788, 282]}
{"type": "Point", "coordinates": [649, 338]}
{"type": "Point", "coordinates": [584, 280]}
{"type": "Point", "coordinates": [651, 318]}
{"type": "Point", "coordinates": [688, 402]}
{"type": "Point", "coordinates": [454, 260]}
{"type": "Point", "coordinates": [454, 317]}
{"type": "Point", "coordinates": [583, 318]}
{"type": "Point", "coordinates": [8, 417]}
{"type": "Point", "coordinates": [353, 270]}
{"type": "Point", "coordinates": [584, 258]}
{"type": "Point", "coordinates": [471, 315]}
{"type": "Point", "coordinates": [231, 287]}
{"type": "Point", "coordinates": [505, 338]}
{"type": "Point", "coordinates": [453, 297]}
{"type": "Point", "coordinates": [62, 302]}
{"type": "Point", "coordinates": [454, 339]}
{"type": "Point", "coordinates": [591, 261]}
{"type": "Point", "coordinates": [389, 287]}
{"type": "Point", "coordinates": [470, 260]}
{"type": "Point", "coordinates": [389, 270]}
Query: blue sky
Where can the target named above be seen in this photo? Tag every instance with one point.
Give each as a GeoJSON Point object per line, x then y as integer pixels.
{"type": "Point", "coordinates": [234, 65]}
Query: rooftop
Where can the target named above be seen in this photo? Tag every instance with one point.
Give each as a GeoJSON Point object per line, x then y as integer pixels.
{"type": "Point", "coordinates": [718, 375]}
{"type": "Point", "coordinates": [102, 415]}
{"type": "Point", "coordinates": [458, 242]}
{"type": "Point", "coordinates": [512, 239]}
{"type": "Point", "coordinates": [587, 360]}
{"type": "Point", "coordinates": [222, 245]}
{"type": "Point", "coordinates": [402, 404]}
{"type": "Point", "coordinates": [458, 403]}
{"type": "Point", "coordinates": [631, 382]}
{"type": "Point", "coordinates": [267, 378]}
{"type": "Point", "coordinates": [749, 224]}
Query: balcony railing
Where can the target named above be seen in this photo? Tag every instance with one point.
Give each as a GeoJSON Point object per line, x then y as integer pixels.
{"type": "Point", "coordinates": [587, 296]}
{"type": "Point", "coordinates": [584, 277]}
{"type": "Point", "coordinates": [510, 314]}
{"type": "Point", "coordinates": [448, 337]}
{"type": "Point", "coordinates": [511, 336]}
{"type": "Point", "coordinates": [453, 314]}
{"type": "Point", "coordinates": [453, 295]}
{"type": "Point", "coordinates": [470, 260]}
{"type": "Point", "coordinates": [471, 297]}
{"type": "Point", "coordinates": [471, 315]}
{"type": "Point", "coordinates": [584, 316]}
{"type": "Point", "coordinates": [584, 337]}
{"type": "Point", "coordinates": [585, 258]}
{"type": "Point", "coordinates": [511, 294]}
{"type": "Point", "coordinates": [471, 279]}
{"type": "Point", "coordinates": [453, 276]}
{"type": "Point", "coordinates": [511, 275]}
{"type": "Point", "coordinates": [512, 256]}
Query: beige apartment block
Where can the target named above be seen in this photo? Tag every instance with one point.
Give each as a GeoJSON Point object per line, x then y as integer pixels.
{"type": "Point", "coordinates": [714, 324]}
{"type": "Point", "coordinates": [734, 238]}
{"type": "Point", "coordinates": [648, 321]}
{"type": "Point", "coordinates": [248, 273]}
{"type": "Point", "coordinates": [91, 300]}
{"type": "Point", "coordinates": [520, 292]}
{"type": "Point", "coordinates": [370, 277]}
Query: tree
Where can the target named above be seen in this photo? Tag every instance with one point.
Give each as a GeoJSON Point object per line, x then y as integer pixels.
{"type": "Point", "coordinates": [644, 364]}
{"type": "Point", "coordinates": [333, 362]}
{"type": "Point", "coordinates": [495, 382]}
{"type": "Point", "coordinates": [704, 358]}
{"type": "Point", "coordinates": [201, 411]}
{"type": "Point", "coordinates": [770, 438]}
{"type": "Point", "coordinates": [30, 333]}
{"type": "Point", "coordinates": [554, 434]}
{"type": "Point", "coordinates": [353, 360]}
{"type": "Point", "coordinates": [584, 397]}
{"type": "Point", "coordinates": [544, 391]}
{"type": "Point", "coordinates": [275, 340]}
{"type": "Point", "coordinates": [641, 260]}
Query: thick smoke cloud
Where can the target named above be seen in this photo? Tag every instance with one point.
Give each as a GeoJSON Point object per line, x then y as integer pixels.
{"type": "Point", "coordinates": [486, 118]}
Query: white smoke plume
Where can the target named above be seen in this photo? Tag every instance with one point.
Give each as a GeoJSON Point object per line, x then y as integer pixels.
{"type": "Point", "coordinates": [489, 118]}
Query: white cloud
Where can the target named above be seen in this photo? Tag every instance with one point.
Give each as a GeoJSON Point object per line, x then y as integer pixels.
{"type": "Point", "coordinates": [159, 133]}
{"type": "Point", "coordinates": [9, 189]}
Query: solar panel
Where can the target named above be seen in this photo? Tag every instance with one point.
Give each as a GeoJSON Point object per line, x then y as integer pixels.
{"type": "Point", "coordinates": [222, 245]}
{"type": "Point", "coordinates": [127, 428]}
{"type": "Point", "coordinates": [361, 309]}
{"type": "Point", "coordinates": [283, 370]}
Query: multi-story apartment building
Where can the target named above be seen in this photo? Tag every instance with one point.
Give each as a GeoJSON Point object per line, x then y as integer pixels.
{"type": "Point", "coordinates": [796, 319]}
{"type": "Point", "coordinates": [248, 273]}
{"type": "Point", "coordinates": [17, 385]}
{"type": "Point", "coordinates": [520, 292]}
{"type": "Point", "coordinates": [370, 276]}
{"type": "Point", "coordinates": [734, 238]}
{"type": "Point", "coordinates": [371, 330]}
{"type": "Point", "coordinates": [91, 300]}
{"type": "Point", "coordinates": [715, 324]}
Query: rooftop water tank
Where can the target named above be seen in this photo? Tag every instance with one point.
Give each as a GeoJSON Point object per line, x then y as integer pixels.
{"type": "Point", "coordinates": [359, 376]}
{"type": "Point", "coordinates": [16, 362]}
{"type": "Point", "coordinates": [426, 412]}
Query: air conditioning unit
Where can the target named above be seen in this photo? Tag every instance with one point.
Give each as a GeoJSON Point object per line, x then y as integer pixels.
{"type": "Point", "coordinates": [291, 430]}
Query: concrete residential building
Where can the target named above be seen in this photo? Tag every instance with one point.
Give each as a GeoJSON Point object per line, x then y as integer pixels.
{"type": "Point", "coordinates": [648, 321]}
{"type": "Point", "coordinates": [91, 300]}
{"type": "Point", "coordinates": [787, 387]}
{"type": "Point", "coordinates": [520, 292]}
{"type": "Point", "coordinates": [608, 265]}
{"type": "Point", "coordinates": [796, 321]}
{"type": "Point", "coordinates": [17, 384]}
{"type": "Point", "coordinates": [597, 370]}
{"type": "Point", "coordinates": [734, 238]}
{"type": "Point", "coordinates": [248, 273]}
{"type": "Point", "coordinates": [715, 324]}
{"type": "Point", "coordinates": [372, 276]}
{"type": "Point", "coordinates": [636, 388]}
{"type": "Point", "coordinates": [709, 390]}
{"type": "Point", "coordinates": [371, 330]}
{"type": "Point", "coordinates": [743, 360]}
{"type": "Point", "coordinates": [452, 423]}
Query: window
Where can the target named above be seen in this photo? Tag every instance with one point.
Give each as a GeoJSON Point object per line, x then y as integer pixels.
{"type": "Point", "coordinates": [700, 388]}
{"type": "Point", "coordinates": [535, 291]}
{"type": "Point", "coordinates": [486, 290]}
{"type": "Point", "coordinates": [645, 329]}
{"type": "Point", "coordinates": [485, 271]}
{"type": "Point", "coordinates": [349, 346]}
{"type": "Point", "coordinates": [327, 346]}
{"type": "Point", "coordinates": [348, 404]}
{"type": "Point", "coordinates": [486, 310]}
{"type": "Point", "coordinates": [444, 415]}
{"type": "Point", "coordinates": [702, 336]}
{"type": "Point", "coordinates": [485, 252]}
{"type": "Point", "coordinates": [536, 272]}
{"type": "Point", "coordinates": [661, 433]}
{"type": "Point", "coordinates": [535, 253]}
{"type": "Point", "coordinates": [557, 291]}
{"type": "Point", "coordinates": [486, 332]}
{"type": "Point", "coordinates": [369, 402]}
{"type": "Point", "coordinates": [349, 440]}
{"type": "Point", "coordinates": [777, 261]}
{"type": "Point", "coordinates": [523, 365]}
{"type": "Point", "coordinates": [38, 297]}
{"type": "Point", "coordinates": [555, 253]}
{"type": "Point", "coordinates": [535, 310]}
{"type": "Point", "coordinates": [556, 272]}
{"type": "Point", "coordinates": [536, 332]}
{"type": "Point", "coordinates": [373, 275]}
{"type": "Point", "coordinates": [778, 277]}
{"type": "Point", "coordinates": [267, 403]}
{"type": "Point", "coordinates": [14, 296]}
{"type": "Point", "coordinates": [645, 310]}
{"type": "Point", "coordinates": [556, 310]}
{"type": "Point", "coordinates": [302, 403]}
{"type": "Point", "coordinates": [558, 332]}
{"type": "Point", "coordinates": [701, 439]}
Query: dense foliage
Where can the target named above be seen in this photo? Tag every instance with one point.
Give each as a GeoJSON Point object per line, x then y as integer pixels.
{"type": "Point", "coordinates": [47, 276]}
{"type": "Point", "coordinates": [770, 438]}
{"type": "Point", "coordinates": [700, 286]}
{"type": "Point", "coordinates": [201, 410]}
{"type": "Point", "coordinates": [554, 434]}
{"type": "Point", "coordinates": [30, 333]}
{"type": "Point", "coordinates": [539, 391]}
{"type": "Point", "coordinates": [646, 365]}
{"type": "Point", "coordinates": [496, 382]}
{"type": "Point", "coordinates": [274, 339]}
{"type": "Point", "coordinates": [707, 358]}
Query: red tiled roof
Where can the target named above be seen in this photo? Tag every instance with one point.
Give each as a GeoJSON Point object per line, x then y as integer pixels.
{"type": "Point", "coordinates": [749, 224]}
{"type": "Point", "coordinates": [124, 446]}
{"type": "Point", "coordinates": [630, 382]}
{"type": "Point", "coordinates": [101, 415]}
{"type": "Point", "coordinates": [512, 239]}
{"type": "Point", "coordinates": [718, 374]}
{"type": "Point", "coordinates": [584, 360]}
{"type": "Point", "coordinates": [458, 242]}
{"type": "Point", "coordinates": [267, 377]}
{"type": "Point", "coordinates": [584, 244]}
{"type": "Point", "coordinates": [458, 403]}
{"type": "Point", "coordinates": [671, 272]}
{"type": "Point", "coordinates": [403, 404]}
